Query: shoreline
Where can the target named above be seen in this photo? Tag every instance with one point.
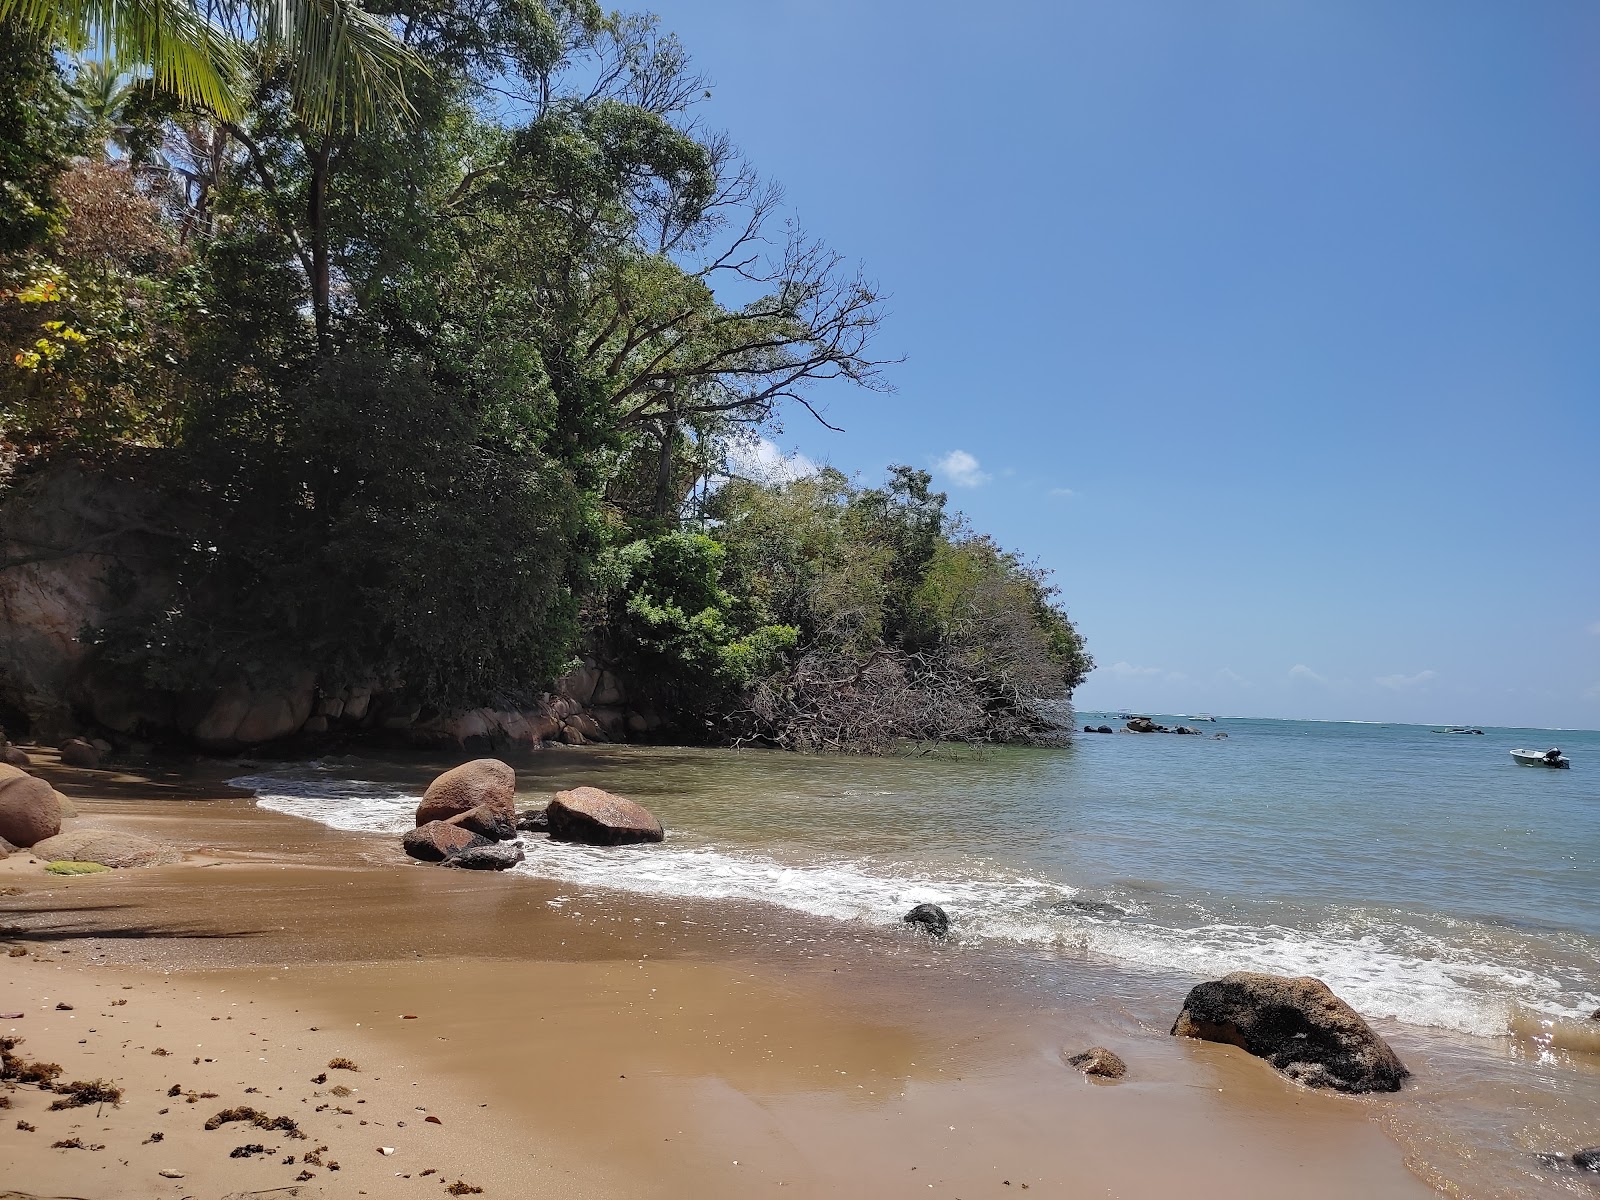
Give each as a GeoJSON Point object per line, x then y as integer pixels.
{"type": "Point", "coordinates": [764, 1057]}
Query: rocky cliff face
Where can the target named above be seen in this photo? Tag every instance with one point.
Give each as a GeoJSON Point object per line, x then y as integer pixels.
{"type": "Point", "coordinates": [79, 546]}
{"type": "Point", "coordinates": [65, 534]}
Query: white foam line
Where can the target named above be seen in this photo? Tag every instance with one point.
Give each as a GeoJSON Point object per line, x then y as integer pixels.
{"type": "Point", "coordinates": [1384, 969]}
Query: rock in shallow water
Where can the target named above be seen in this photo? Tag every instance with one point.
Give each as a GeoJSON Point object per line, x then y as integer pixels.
{"type": "Point", "coordinates": [1296, 1024]}
{"type": "Point", "coordinates": [436, 841]}
{"type": "Point", "coordinates": [1100, 1062]}
{"type": "Point", "coordinates": [486, 858]}
{"type": "Point", "coordinates": [598, 818]}
{"type": "Point", "coordinates": [493, 823]}
{"type": "Point", "coordinates": [484, 782]}
{"type": "Point", "coordinates": [535, 820]}
{"type": "Point", "coordinates": [930, 918]}
{"type": "Point", "coordinates": [1587, 1159]}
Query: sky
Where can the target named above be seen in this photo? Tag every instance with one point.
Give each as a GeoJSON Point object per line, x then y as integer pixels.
{"type": "Point", "coordinates": [1271, 327]}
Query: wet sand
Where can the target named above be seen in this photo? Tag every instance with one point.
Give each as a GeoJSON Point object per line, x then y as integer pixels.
{"type": "Point", "coordinates": [585, 1043]}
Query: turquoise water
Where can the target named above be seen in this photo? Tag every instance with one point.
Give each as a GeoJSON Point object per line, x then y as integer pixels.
{"type": "Point", "coordinates": [1425, 876]}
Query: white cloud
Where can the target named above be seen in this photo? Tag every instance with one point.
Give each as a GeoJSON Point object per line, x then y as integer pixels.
{"type": "Point", "coordinates": [1595, 629]}
{"type": "Point", "coordinates": [1124, 670]}
{"type": "Point", "coordinates": [1127, 670]}
{"type": "Point", "coordinates": [1062, 492]}
{"type": "Point", "coordinates": [764, 462]}
{"type": "Point", "coordinates": [1399, 683]}
{"type": "Point", "coordinates": [961, 469]}
{"type": "Point", "coordinates": [1228, 675]}
{"type": "Point", "coordinates": [1301, 671]}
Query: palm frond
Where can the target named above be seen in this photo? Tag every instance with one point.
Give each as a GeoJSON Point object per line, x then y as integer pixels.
{"type": "Point", "coordinates": [346, 68]}
{"type": "Point", "coordinates": [187, 55]}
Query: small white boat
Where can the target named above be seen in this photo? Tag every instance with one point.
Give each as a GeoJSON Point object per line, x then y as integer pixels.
{"type": "Point", "coordinates": [1542, 758]}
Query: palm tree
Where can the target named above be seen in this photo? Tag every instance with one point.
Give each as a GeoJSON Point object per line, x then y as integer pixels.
{"type": "Point", "coordinates": [100, 93]}
{"type": "Point", "coordinates": [346, 68]}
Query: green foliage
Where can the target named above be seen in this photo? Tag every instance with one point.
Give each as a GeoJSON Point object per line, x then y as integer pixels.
{"type": "Point", "coordinates": [953, 637]}
{"type": "Point", "coordinates": [683, 636]}
{"type": "Point", "coordinates": [35, 139]}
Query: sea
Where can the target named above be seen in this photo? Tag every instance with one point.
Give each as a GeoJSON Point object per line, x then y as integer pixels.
{"type": "Point", "coordinates": [1448, 894]}
{"type": "Point", "coordinates": [1423, 875]}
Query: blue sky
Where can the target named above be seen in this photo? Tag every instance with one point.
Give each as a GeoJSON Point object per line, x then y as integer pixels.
{"type": "Point", "coordinates": [1273, 327]}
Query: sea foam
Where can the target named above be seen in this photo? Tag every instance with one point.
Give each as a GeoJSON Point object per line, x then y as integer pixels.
{"type": "Point", "coordinates": [1384, 964]}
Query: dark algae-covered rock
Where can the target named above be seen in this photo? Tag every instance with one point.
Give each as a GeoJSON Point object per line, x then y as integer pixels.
{"type": "Point", "coordinates": [486, 858]}
{"type": "Point", "coordinates": [929, 918]}
{"type": "Point", "coordinates": [1099, 1062]}
{"type": "Point", "coordinates": [1296, 1024]}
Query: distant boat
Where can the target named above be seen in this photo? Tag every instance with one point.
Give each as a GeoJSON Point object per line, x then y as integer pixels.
{"type": "Point", "coordinates": [1542, 758]}
{"type": "Point", "coordinates": [1460, 729]}
{"type": "Point", "coordinates": [1203, 717]}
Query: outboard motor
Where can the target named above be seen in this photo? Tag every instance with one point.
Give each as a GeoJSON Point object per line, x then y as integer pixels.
{"type": "Point", "coordinates": [1552, 755]}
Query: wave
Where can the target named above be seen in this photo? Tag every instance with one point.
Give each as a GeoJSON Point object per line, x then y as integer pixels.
{"type": "Point", "coordinates": [1454, 975]}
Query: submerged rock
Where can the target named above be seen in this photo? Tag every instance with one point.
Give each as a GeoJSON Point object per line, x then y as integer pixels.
{"type": "Point", "coordinates": [437, 841]}
{"type": "Point", "coordinates": [108, 847]}
{"type": "Point", "coordinates": [483, 782]}
{"type": "Point", "coordinates": [1099, 1061]}
{"type": "Point", "coordinates": [486, 858]}
{"type": "Point", "coordinates": [1096, 908]}
{"type": "Point", "coordinates": [1587, 1159]}
{"type": "Point", "coordinates": [30, 809]}
{"type": "Point", "coordinates": [930, 918]}
{"type": "Point", "coordinates": [1296, 1024]}
{"type": "Point", "coordinates": [597, 817]}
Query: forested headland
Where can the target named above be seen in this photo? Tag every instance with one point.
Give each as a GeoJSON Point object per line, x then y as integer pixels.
{"type": "Point", "coordinates": [366, 374]}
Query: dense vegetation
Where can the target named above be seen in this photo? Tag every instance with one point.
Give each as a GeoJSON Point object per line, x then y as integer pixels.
{"type": "Point", "coordinates": [442, 393]}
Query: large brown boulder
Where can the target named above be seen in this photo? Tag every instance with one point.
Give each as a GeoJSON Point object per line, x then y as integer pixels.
{"type": "Point", "coordinates": [587, 814]}
{"type": "Point", "coordinates": [436, 841]}
{"type": "Point", "coordinates": [108, 847]}
{"type": "Point", "coordinates": [1296, 1024]}
{"type": "Point", "coordinates": [30, 809]}
{"type": "Point", "coordinates": [483, 782]}
{"type": "Point", "coordinates": [76, 752]}
{"type": "Point", "coordinates": [14, 756]}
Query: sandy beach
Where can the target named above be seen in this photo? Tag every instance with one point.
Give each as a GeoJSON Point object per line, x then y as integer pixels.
{"type": "Point", "coordinates": [590, 1044]}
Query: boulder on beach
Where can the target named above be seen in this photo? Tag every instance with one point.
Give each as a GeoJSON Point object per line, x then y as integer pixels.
{"type": "Point", "coordinates": [14, 756]}
{"type": "Point", "coordinates": [437, 841]}
{"type": "Point", "coordinates": [1296, 1024]}
{"type": "Point", "coordinates": [108, 847]}
{"type": "Point", "coordinates": [1099, 1062]}
{"type": "Point", "coordinates": [929, 918]}
{"type": "Point", "coordinates": [483, 782]}
{"type": "Point", "coordinates": [588, 814]}
{"type": "Point", "coordinates": [30, 809]}
{"type": "Point", "coordinates": [486, 858]}
{"type": "Point", "coordinates": [493, 823]}
{"type": "Point", "coordinates": [78, 752]}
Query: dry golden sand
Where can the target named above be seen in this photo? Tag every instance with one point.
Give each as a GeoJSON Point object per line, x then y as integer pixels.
{"type": "Point", "coordinates": [610, 1046]}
